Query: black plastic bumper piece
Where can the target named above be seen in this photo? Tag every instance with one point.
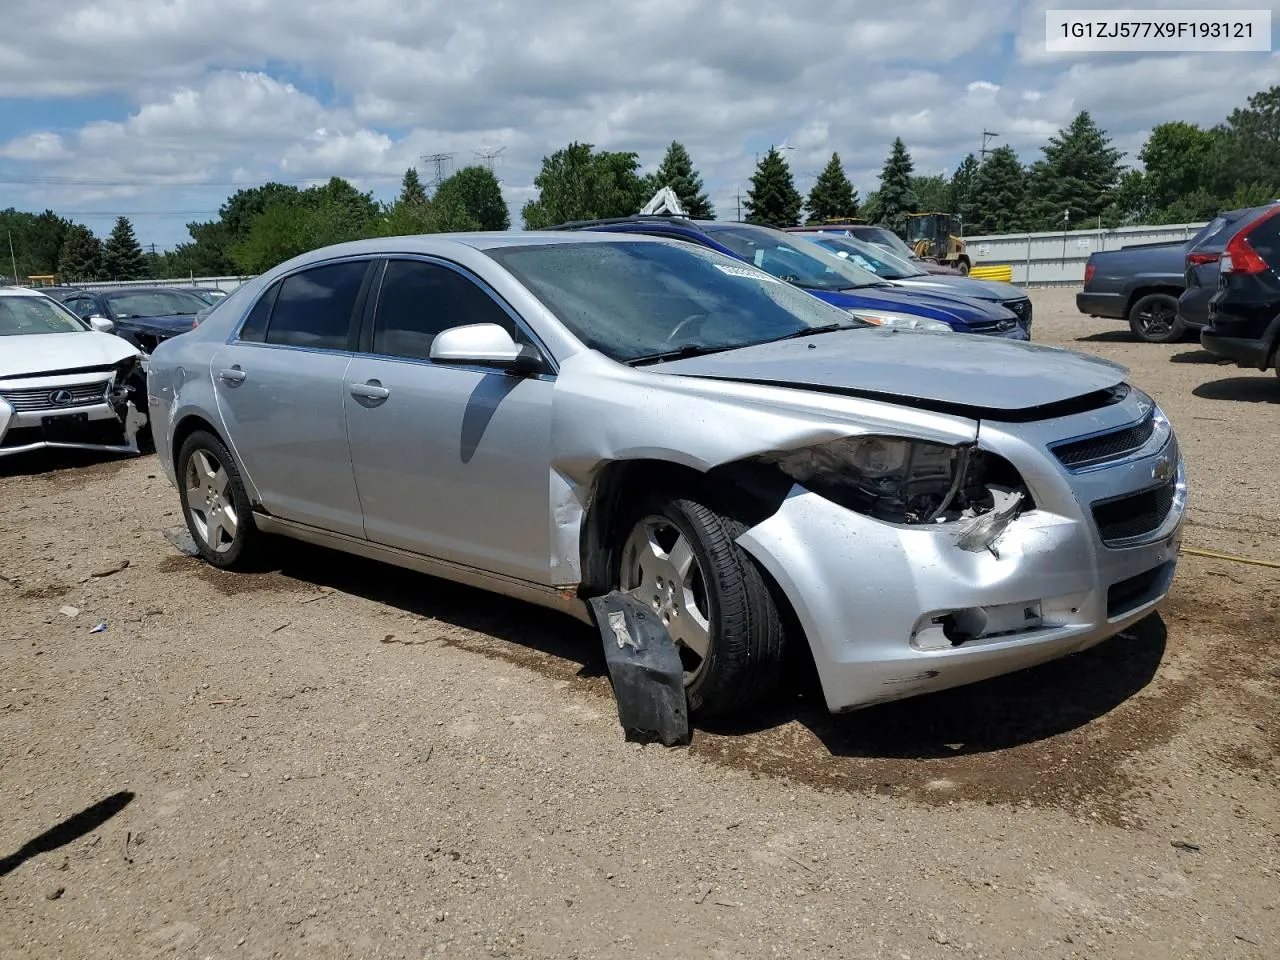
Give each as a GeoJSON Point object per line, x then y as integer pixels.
{"type": "Point", "coordinates": [646, 671]}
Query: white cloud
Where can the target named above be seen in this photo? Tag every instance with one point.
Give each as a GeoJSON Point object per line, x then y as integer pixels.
{"type": "Point", "coordinates": [245, 90]}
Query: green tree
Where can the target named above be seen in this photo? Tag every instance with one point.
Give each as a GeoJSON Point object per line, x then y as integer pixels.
{"type": "Point", "coordinates": [1079, 173]}
{"type": "Point", "coordinates": [933, 194]}
{"type": "Point", "coordinates": [122, 257]}
{"type": "Point", "coordinates": [208, 253]}
{"type": "Point", "coordinates": [1176, 159]}
{"type": "Point", "coordinates": [677, 172]}
{"type": "Point", "coordinates": [999, 191]}
{"type": "Point", "coordinates": [833, 196]}
{"type": "Point", "coordinates": [772, 199]}
{"type": "Point", "coordinates": [80, 259]}
{"type": "Point", "coordinates": [896, 198]}
{"type": "Point", "coordinates": [37, 241]}
{"type": "Point", "coordinates": [962, 188]}
{"type": "Point", "coordinates": [1247, 147]}
{"type": "Point", "coordinates": [335, 212]}
{"type": "Point", "coordinates": [411, 189]}
{"type": "Point", "coordinates": [577, 183]}
{"type": "Point", "coordinates": [472, 196]}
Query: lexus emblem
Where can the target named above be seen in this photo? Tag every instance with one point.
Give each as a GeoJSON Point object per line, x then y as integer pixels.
{"type": "Point", "coordinates": [60, 397]}
{"type": "Point", "coordinates": [1163, 470]}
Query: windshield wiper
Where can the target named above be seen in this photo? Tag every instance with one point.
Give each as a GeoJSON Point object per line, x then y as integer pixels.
{"type": "Point", "coordinates": [809, 332]}
{"type": "Point", "coordinates": [688, 350]}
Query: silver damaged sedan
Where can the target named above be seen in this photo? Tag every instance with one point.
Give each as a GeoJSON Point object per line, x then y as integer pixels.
{"type": "Point", "coordinates": [553, 416]}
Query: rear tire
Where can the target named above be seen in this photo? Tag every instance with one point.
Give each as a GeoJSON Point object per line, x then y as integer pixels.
{"type": "Point", "coordinates": [679, 557]}
{"type": "Point", "coordinates": [1154, 319]}
{"type": "Point", "coordinates": [963, 267]}
{"type": "Point", "coordinates": [215, 504]}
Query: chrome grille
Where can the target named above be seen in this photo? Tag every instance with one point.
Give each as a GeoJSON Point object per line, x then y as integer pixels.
{"type": "Point", "coordinates": [1021, 307]}
{"type": "Point", "coordinates": [57, 398]}
{"type": "Point", "coordinates": [1091, 451]}
{"type": "Point", "coordinates": [1135, 515]}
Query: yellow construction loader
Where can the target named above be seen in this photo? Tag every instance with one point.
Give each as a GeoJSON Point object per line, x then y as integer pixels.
{"type": "Point", "coordinates": [936, 237]}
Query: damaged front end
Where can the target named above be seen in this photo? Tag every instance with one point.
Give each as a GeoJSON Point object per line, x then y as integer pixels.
{"type": "Point", "coordinates": [912, 482]}
{"type": "Point", "coordinates": [97, 408]}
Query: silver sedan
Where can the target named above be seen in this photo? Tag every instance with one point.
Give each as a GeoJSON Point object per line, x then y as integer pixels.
{"type": "Point", "coordinates": [555, 416]}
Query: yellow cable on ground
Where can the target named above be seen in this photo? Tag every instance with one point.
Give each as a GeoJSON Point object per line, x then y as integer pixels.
{"type": "Point", "coordinates": [1192, 552]}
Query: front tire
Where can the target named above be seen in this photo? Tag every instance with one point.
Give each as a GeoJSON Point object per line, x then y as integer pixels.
{"type": "Point", "coordinates": [679, 557]}
{"type": "Point", "coordinates": [1154, 319]}
{"type": "Point", "coordinates": [215, 504]}
{"type": "Point", "coordinates": [963, 267]}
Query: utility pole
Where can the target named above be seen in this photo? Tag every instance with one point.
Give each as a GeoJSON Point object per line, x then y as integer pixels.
{"type": "Point", "coordinates": [438, 162]}
{"type": "Point", "coordinates": [986, 135]}
{"type": "Point", "coordinates": [12, 259]}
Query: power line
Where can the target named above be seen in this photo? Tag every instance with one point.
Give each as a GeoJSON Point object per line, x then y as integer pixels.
{"type": "Point", "coordinates": [488, 156]}
{"type": "Point", "coordinates": [153, 182]}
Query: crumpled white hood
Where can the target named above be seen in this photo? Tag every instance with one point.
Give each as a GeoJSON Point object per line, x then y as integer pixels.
{"type": "Point", "coordinates": [32, 355]}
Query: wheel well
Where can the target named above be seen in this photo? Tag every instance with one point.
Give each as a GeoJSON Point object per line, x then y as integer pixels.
{"type": "Point", "coordinates": [1141, 292]}
{"type": "Point", "coordinates": [745, 490]}
{"type": "Point", "coordinates": [185, 428]}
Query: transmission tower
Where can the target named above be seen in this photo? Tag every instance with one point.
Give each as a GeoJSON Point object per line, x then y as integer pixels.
{"type": "Point", "coordinates": [441, 165]}
{"type": "Point", "coordinates": [488, 156]}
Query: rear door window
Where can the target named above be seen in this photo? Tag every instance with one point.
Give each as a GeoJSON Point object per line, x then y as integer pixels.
{"type": "Point", "coordinates": [315, 307]}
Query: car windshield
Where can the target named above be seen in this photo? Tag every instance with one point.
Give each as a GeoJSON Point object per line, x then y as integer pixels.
{"type": "Point", "coordinates": [868, 256]}
{"type": "Point", "coordinates": [155, 303]}
{"type": "Point", "coordinates": [21, 315]}
{"type": "Point", "coordinates": [886, 238]}
{"type": "Point", "coordinates": [800, 262]}
{"type": "Point", "coordinates": [639, 300]}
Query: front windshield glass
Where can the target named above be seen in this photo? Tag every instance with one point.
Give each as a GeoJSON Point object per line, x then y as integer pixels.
{"type": "Point", "coordinates": [21, 315]}
{"type": "Point", "coordinates": [869, 257]}
{"type": "Point", "coordinates": [641, 300]}
{"type": "Point", "coordinates": [796, 261]}
{"type": "Point", "coordinates": [885, 238]}
{"type": "Point", "coordinates": [155, 303]}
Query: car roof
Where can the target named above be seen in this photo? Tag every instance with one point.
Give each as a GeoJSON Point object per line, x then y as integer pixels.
{"type": "Point", "coordinates": [20, 292]}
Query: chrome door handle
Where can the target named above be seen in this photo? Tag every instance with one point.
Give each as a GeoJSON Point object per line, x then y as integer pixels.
{"type": "Point", "coordinates": [233, 375]}
{"type": "Point", "coordinates": [372, 390]}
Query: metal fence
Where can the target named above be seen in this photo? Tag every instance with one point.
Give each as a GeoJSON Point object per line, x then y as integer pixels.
{"type": "Point", "coordinates": [1059, 258]}
{"type": "Point", "coordinates": [214, 283]}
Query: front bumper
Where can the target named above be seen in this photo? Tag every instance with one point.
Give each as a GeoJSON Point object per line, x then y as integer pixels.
{"type": "Point", "coordinates": [872, 597]}
{"type": "Point", "coordinates": [107, 426]}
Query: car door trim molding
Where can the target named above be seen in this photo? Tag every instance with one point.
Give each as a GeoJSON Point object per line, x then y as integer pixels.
{"type": "Point", "coordinates": [563, 598]}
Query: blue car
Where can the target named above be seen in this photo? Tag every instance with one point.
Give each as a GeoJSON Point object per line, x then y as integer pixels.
{"type": "Point", "coordinates": [144, 316]}
{"type": "Point", "coordinates": [826, 276]}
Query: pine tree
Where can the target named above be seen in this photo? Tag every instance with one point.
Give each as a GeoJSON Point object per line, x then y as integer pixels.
{"type": "Point", "coordinates": [676, 171]}
{"type": "Point", "coordinates": [122, 257]}
{"type": "Point", "coordinates": [80, 260]}
{"type": "Point", "coordinates": [833, 196]}
{"type": "Point", "coordinates": [999, 192]}
{"type": "Point", "coordinates": [896, 196]}
{"type": "Point", "coordinates": [411, 190]}
{"type": "Point", "coordinates": [962, 188]}
{"type": "Point", "coordinates": [773, 199]}
{"type": "Point", "coordinates": [1079, 174]}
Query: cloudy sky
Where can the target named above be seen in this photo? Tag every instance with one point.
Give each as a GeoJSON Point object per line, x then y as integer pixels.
{"type": "Point", "coordinates": [159, 108]}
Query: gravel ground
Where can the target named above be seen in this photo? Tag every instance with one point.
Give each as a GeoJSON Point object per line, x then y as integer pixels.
{"type": "Point", "coordinates": [338, 759]}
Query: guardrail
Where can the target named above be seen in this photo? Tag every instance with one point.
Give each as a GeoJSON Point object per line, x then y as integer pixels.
{"type": "Point", "coordinates": [1052, 259]}
{"type": "Point", "coordinates": [215, 283]}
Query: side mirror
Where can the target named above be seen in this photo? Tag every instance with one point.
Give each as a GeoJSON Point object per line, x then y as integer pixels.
{"type": "Point", "coordinates": [485, 345]}
{"type": "Point", "coordinates": [101, 324]}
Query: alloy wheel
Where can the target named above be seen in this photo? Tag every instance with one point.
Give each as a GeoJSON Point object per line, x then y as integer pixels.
{"type": "Point", "coordinates": [210, 501]}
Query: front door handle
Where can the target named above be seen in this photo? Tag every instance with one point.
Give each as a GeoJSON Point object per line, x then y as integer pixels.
{"type": "Point", "coordinates": [370, 390]}
{"type": "Point", "coordinates": [232, 375]}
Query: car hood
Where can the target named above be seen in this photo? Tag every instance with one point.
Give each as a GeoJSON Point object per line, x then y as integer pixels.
{"type": "Point", "coordinates": [942, 306]}
{"type": "Point", "coordinates": [953, 373]}
{"type": "Point", "coordinates": [33, 354]}
{"type": "Point", "coordinates": [963, 286]}
{"type": "Point", "coordinates": [166, 326]}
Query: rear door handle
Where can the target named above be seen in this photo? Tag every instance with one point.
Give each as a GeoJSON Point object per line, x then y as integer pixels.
{"type": "Point", "coordinates": [372, 390]}
{"type": "Point", "coordinates": [232, 375]}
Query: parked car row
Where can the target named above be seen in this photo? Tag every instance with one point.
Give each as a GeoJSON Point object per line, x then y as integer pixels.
{"type": "Point", "coordinates": [757, 439]}
{"type": "Point", "coordinates": [1220, 283]}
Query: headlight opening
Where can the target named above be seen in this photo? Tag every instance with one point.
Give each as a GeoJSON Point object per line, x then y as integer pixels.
{"type": "Point", "coordinates": [904, 481]}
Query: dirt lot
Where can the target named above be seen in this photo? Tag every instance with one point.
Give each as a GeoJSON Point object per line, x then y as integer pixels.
{"type": "Point", "coordinates": [342, 760]}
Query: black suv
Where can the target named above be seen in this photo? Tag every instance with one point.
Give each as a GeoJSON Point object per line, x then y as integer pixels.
{"type": "Point", "coordinates": [1244, 315]}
